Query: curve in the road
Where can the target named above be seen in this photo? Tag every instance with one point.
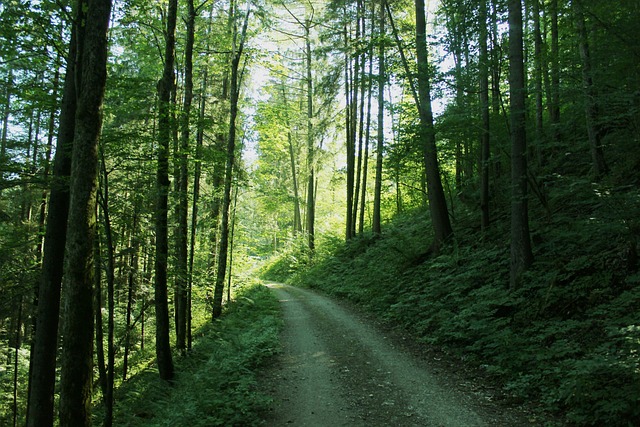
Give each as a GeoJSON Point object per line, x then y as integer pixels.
{"type": "Point", "coordinates": [336, 370]}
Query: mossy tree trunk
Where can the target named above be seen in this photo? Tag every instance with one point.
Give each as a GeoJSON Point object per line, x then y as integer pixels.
{"type": "Point", "coordinates": [165, 86]}
{"type": "Point", "coordinates": [77, 317]}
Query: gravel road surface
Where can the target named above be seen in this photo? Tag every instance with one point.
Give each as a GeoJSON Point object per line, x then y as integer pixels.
{"type": "Point", "coordinates": [338, 369]}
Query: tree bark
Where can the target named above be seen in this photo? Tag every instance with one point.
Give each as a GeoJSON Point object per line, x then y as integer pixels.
{"type": "Point", "coordinates": [45, 343]}
{"type": "Point", "coordinates": [165, 85]}
{"type": "Point", "coordinates": [521, 254]}
{"type": "Point", "coordinates": [377, 194]}
{"type": "Point", "coordinates": [16, 356]}
{"type": "Point", "coordinates": [554, 104]}
{"type": "Point", "coordinates": [183, 209]}
{"type": "Point", "coordinates": [228, 178]}
{"type": "Point", "coordinates": [591, 110]}
{"type": "Point", "coordinates": [350, 135]}
{"type": "Point", "coordinates": [538, 77]}
{"type": "Point", "coordinates": [437, 202]}
{"type": "Point", "coordinates": [311, 206]}
{"type": "Point", "coordinates": [131, 285]}
{"type": "Point", "coordinates": [6, 112]}
{"type": "Point", "coordinates": [362, 87]}
{"type": "Point", "coordinates": [104, 202]}
{"type": "Point", "coordinates": [97, 291]}
{"type": "Point", "coordinates": [77, 320]}
{"type": "Point", "coordinates": [485, 149]}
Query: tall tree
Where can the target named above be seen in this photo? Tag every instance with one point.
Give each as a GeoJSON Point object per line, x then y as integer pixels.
{"type": "Point", "coordinates": [485, 149]}
{"type": "Point", "coordinates": [183, 209]}
{"type": "Point", "coordinates": [351, 101]}
{"type": "Point", "coordinates": [591, 109]}
{"type": "Point", "coordinates": [45, 344]}
{"type": "Point", "coordinates": [435, 192]}
{"type": "Point", "coordinates": [165, 87]}
{"type": "Point", "coordinates": [297, 217]}
{"type": "Point", "coordinates": [521, 254]}
{"type": "Point", "coordinates": [77, 319]}
{"type": "Point", "coordinates": [103, 201]}
{"type": "Point", "coordinates": [554, 95]}
{"type": "Point", "coordinates": [377, 194]}
{"type": "Point", "coordinates": [238, 47]}
{"type": "Point", "coordinates": [538, 76]}
{"type": "Point", "coordinates": [311, 202]}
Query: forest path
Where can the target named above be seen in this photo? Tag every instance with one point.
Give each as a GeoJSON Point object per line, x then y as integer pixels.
{"type": "Point", "coordinates": [336, 369]}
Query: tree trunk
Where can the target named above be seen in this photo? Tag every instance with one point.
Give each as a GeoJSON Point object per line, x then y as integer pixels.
{"type": "Point", "coordinates": [16, 364]}
{"type": "Point", "coordinates": [45, 344]}
{"type": "Point", "coordinates": [228, 178]}
{"type": "Point", "coordinates": [365, 166]}
{"type": "Point", "coordinates": [521, 254]}
{"type": "Point", "coordinates": [538, 77]}
{"type": "Point", "coordinates": [350, 140]}
{"type": "Point", "coordinates": [311, 206]}
{"type": "Point", "coordinates": [183, 209]}
{"type": "Point", "coordinates": [377, 194]}
{"type": "Point", "coordinates": [165, 85]}
{"type": "Point", "coordinates": [485, 149]}
{"type": "Point", "coordinates": [554, 105]}
{"type": "Point", "coordinates": [233, 229]}
{"type": "Point", "coordinates": [131, 285]}
{"type": "Point", "coordinates": [297, 218]}
{"type": "Point", "coordinates": [6, 112]}
{"type": "Point", "coordinates": [362, 87]}
{"type": "Point", "coordinates": [591, 109]}
{"type": "Point", "coordinates": [77, 320]}
{"type": "Point", "coordinates": [496, 55]}
{"type": "Point", "coordinates": [104, 201]}
{"type": "Point", "coordinates": [437, 202]}
{"type": "Point", "coordinates": [97, 292]}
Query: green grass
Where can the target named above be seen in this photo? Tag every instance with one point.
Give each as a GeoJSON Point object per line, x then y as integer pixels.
{"type": "Point", "coordinates": [215, 382]}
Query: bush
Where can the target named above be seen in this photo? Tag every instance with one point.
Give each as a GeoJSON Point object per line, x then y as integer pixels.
{"type": "Point", "coordinates": [216, 381]}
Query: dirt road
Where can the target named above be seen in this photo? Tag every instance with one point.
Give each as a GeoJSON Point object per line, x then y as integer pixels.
{"type": "Point", "coordinates": [338, 370]}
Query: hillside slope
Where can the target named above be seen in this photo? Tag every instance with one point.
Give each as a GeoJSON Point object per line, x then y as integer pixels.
{"type": "Point", "coordinates": [568, 339]}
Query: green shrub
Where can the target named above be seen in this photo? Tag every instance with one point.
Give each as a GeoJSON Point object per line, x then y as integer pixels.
{"type": "Point", "coordinates": [216, 381]}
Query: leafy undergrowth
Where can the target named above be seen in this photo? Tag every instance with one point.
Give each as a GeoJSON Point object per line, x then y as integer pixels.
{"type": "Point", "coordinates": [568, 339]}
{"type": "Point", "coordinates": [216, 381]}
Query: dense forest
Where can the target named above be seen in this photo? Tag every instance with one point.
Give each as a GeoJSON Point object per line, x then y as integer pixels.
{"type": "Point", "coordinates": [465, 169]}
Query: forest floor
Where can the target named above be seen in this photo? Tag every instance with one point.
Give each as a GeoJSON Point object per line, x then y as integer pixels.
{"type": "Point", "coordinates": [340, 367]}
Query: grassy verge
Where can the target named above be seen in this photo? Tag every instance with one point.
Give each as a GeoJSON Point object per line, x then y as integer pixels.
{"type": "Point", "coordinates": [216, 381]}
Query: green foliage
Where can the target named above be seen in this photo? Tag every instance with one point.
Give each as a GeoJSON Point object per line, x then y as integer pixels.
{"type": "Point", "coordinates": [216, 381]}
{"type": "Point", "coordinates": [6, 384]}
{"type": "Point", "coordinates": [568, 337]}
{"type": "Point", "coordinates": [294, 258]}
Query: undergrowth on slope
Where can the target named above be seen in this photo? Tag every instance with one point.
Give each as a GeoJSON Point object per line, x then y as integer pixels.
{"type": "Point", "coordinates": [568, 338]}
{"type": "Point", "coordinates": [215, 382]}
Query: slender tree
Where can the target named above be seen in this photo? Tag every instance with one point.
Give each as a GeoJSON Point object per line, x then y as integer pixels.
{"type": "Point", "coordinates": [377, 195]}
{"type": "Point", "coordinates": [311, 202]}
{"type": "Point", "coordinates": [228, 178]}
{"type": "Point", "coordinates": [103, 198]}
{"type": "Point", "coordinates": [165, 87]}
{"type": "Point", "coordinates": [350, 98]}
{"type": "Point", "coordinates": [183, 209]}
{"type": "Point", "coordinates": [77, 319]}
{"type": "Point", "coordinates": [591, 109]}
{"type": "Point", "coordinates": [485, 149]}
{"type": "Point", "coordinates": [435, 192]}
{"type": "Point", "coordinates": [521, 254]}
